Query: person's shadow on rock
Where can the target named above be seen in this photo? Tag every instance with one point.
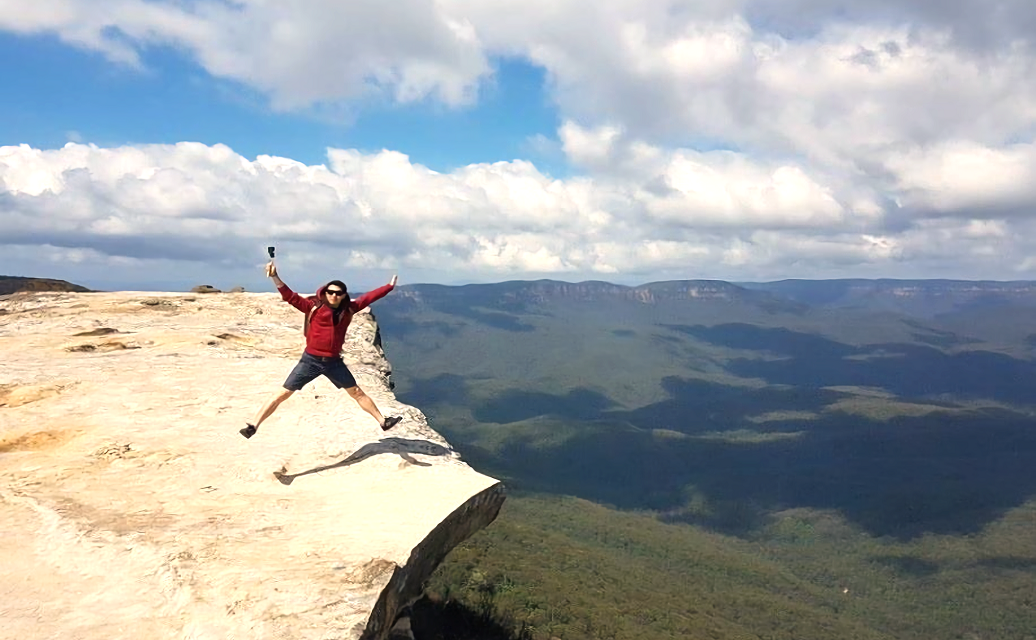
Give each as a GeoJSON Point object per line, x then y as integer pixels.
{"type": "Point", "coordinates": [403, 447]}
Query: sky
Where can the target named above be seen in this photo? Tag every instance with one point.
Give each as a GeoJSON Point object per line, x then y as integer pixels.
{"type": "Point", "coordinates": [161, 144]}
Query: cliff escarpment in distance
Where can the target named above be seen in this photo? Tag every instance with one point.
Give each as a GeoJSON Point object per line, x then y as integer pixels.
{"type": "Point", "coordinates": [19, 284]}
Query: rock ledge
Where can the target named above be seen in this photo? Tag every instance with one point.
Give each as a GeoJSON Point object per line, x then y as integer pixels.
{"type": "Point", "coordinates": [131, 507]}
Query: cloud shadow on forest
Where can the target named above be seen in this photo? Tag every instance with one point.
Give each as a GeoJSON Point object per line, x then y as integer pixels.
{"type": "Point", "coordinates": [949, 472]}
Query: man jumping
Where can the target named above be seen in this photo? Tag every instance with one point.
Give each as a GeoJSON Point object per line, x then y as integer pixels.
{"type": "Point", "coordinates": [327, 317]}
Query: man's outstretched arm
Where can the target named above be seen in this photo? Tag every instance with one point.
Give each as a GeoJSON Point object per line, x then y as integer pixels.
{"type": "Point", "coordinates": [366, 299]}
{"type": "Point", "coordinates": [292, 298]}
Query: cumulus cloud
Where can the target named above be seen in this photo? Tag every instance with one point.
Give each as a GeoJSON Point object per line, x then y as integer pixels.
{"type": "Point", "coordinates": [832, 80]}
{"type": "Point", "coordinates": [693, 214]}
{"type": "Point", "coordinates": [300, 53]}
{"type": "Point", "coordinates": [845, 94]}
{"type": "Point", "coordinates": [962, 178]}
{"type": "Point", "coordinates": [719, 138]}
{"type": "Point", "coordinates": [975, 25]}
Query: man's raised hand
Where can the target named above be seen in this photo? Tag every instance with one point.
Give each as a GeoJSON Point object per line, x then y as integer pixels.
{"type": "Point", "coordinates": [393, 282]}
{"type": "Point", "coordinates": [271, 269]}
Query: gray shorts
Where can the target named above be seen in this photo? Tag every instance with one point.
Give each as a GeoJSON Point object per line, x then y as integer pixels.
{"type": "Point", "coordinates": [311, 366]}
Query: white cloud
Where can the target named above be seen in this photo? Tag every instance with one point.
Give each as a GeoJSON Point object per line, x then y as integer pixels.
{"type": "Point", "coordinates": [729, 138]}
{"type": "Point", "coordinates": [841, 96]}
{"type": "Point", "coordinates": [792, 77]}
{"type": "Point", "coordinates": [694, 190]}
{"type": "Point", "coordinates": [974, 25]}
{"type": "Point", "coordinates": [301, 53]}
{"type": "Point", "coordinates": [717, 214]}
{"type": "Point", "coordinates": [965, 178]}
{"type": "Point", "coordinates": [588, 147]}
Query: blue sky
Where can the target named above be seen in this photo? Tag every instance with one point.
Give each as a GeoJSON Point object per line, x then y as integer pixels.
{"type": "Point", "coordinates": [460, 141]}
{"type": "Point", "coordinates": [64, 94]}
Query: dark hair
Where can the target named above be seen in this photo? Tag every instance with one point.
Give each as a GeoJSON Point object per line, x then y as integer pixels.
{"type": "Point", "coordinates": [341, 285]}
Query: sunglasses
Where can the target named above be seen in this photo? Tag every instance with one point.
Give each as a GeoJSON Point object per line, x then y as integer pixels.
{"type": "Point", "coordinates": [334, 292]}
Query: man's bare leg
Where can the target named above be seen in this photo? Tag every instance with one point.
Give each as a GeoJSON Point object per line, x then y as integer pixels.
{"type": "Point", "coordinates": [368, 405]}
{"type": "Point", "coordinates": [266, 411]}
{"type": "Point", "coordinates": [271, 406]}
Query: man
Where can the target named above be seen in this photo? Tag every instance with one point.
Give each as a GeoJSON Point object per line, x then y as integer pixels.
{"type": "Point", "coordinates": [327, 317]}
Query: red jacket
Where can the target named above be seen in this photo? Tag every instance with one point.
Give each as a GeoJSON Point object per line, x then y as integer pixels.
{"type": "Point", "coordinates": [324, 337]}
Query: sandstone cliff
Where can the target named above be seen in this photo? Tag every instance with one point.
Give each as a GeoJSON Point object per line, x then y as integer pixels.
{"type": "Point", "coordinates": [131, 508]}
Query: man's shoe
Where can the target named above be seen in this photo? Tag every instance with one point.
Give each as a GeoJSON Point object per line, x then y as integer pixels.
{"type": "Point", "coordinates": [248, 431]}
{"type": "Point", "coordinates": [390, 422]}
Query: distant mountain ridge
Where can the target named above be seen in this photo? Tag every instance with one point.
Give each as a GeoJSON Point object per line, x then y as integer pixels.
{"type": "Point", "coordinates": [915, 297]}
{"type": "Point", "coordinates": [19, 284]}
{"type": "Point", "coordinates": [911, 297]}
{"type": "Point", "coordinates": [539, 291]}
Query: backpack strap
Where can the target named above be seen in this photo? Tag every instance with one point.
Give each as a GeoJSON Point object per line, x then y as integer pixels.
{"type": "Point", "coordinates": [309, 317]}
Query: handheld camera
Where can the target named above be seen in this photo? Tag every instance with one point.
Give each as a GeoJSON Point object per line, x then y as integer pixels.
{"type": "Point", "coordinates": [270, 251]}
